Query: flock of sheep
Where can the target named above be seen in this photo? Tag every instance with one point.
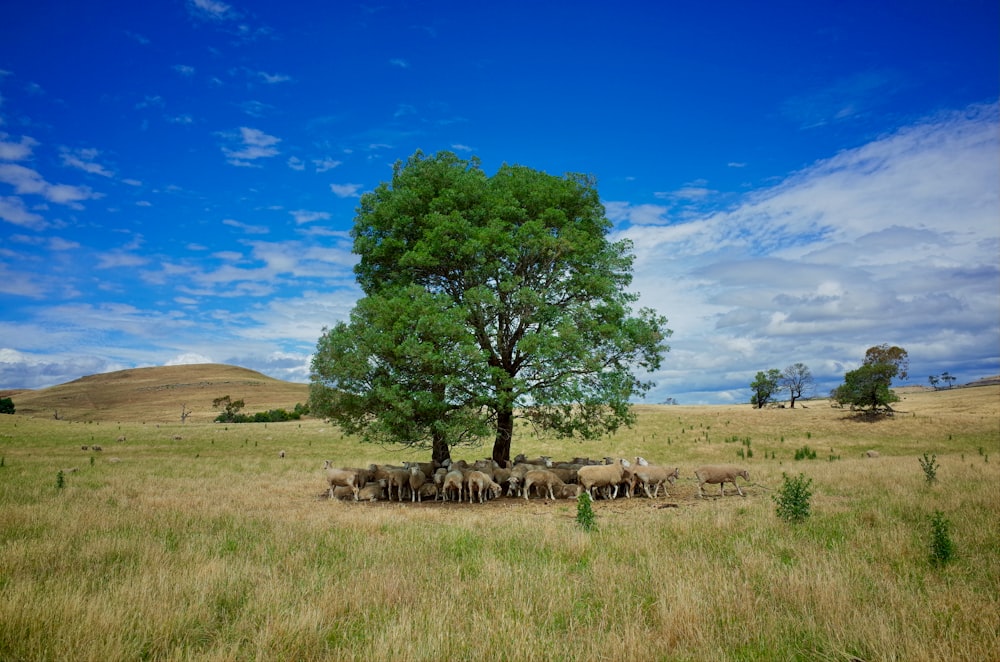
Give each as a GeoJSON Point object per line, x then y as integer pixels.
{"type": "Point", "coordinates": [486, 479]}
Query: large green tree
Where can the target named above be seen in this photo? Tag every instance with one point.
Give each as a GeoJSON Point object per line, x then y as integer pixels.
{"type": "Point", "coordinates": [868, 387]}
{"type": "Point", "coordinates": [533, 297]}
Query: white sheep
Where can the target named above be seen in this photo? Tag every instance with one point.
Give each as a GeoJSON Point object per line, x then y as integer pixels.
{"type": "Point", "coordinates": [654, 475]}
{"type": "Point", "coordinates": [569, 491]}
{"type": "Point", "coordinates": [871, 453]}
{"type": "Point", "coordinates": [281, 454]}
{"type": "Point", "coordinates": [121, 439]}
{"type": "Point", "coordinates": [454, 481]}
{"type": "Point", "coordinates": [343, 478]}
{"type": "Point", "coordinates": [542, 478]}
{"type": "Point", "coordinates": [416, 481]}
{"type": "Point", "coordinates": [603, 475]}
{"type": "Point", "coordinates": [480, 484]}
{"type": "Point", "coordinates": [720, 474]}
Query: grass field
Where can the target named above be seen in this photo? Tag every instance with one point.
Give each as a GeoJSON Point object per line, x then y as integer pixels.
{"type": "Point", "coordinates": [197, 542]}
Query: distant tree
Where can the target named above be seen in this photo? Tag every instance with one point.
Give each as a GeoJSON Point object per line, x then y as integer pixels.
{"type": "Point", "coordinates": [948, 378]}
{"type": "Point", "coordinates": [934, 381]}
{"type": "Point", "coordinates": [765, 386]}
{"type": "Point", "coordinates": [797, 379]}
{"type": "Point", "coordinates": [867, 388]}
{"type": "Point", "coordinates": [230, 409]}
{"type": "Point", "coordinates": [531, 296]}
{"type": "Point", "coordinates": [6, 406]}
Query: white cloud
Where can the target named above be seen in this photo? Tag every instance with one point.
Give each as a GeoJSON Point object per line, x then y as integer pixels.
{"type": "Point", "coordinates": [83, 159]}
{"type": "Point", "coordinates": [16, 151]}
{"type": "Point", "coordinates": [188, 358]}
{"type": "Point", "coordinates": [346, 190]}
{"type": "Point", "coordinates": [28, 181]}
{"type": "Point", "coordinates": [323, 165]}
{"type": "Point", "coordinates": [253, 144]}
{"type": "Point", "coordinates": [399, 62]}
{"type": "Point", "coordinates": [213, 10]}
{"type": "Point", "coordinates": [12, 210]}
{"type": "Point", "coordinates": [302, 216]}
{"type": "Point", "coordinates": [246, 227]}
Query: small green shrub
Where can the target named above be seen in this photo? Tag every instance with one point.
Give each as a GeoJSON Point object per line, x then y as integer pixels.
{"type": "Point", "coordinates": [792, 498]}
{"type": "Point", "coordinates": [60, 480]}
{"type": "Point", "coordinates": [942, 546]}
{"type": "Point", "coordinates": [585, 513]}
{"type": "Point", "coordinates": [930, 467]}
{"type": "Point", "coordinates": [805, 453]}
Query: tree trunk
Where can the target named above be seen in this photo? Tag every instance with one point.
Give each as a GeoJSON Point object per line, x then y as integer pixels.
{"type": "Point", "coordinates": [793, 401]}
{"type": "Point", "coordinates": [505, 432]}
{"type": "Point", "coordinates": [440, 450]}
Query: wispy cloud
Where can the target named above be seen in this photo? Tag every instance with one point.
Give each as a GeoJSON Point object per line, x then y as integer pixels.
{"type": "Point", "coordinates": [346, 190]}
{"type": "Point", "coordinates": [29, 182]}
{"type": "Point", "coordinates": [84, 159]}
{"type": "Point", "coordinates": [246, 227]}
{"type": "Point", "coordinates": [399, 62]}
{"type": "Point", "coordinates": [251, 144]}
{"type": "Point", "coordinates": [13, 210]}
{"type": "Point", "coordinates": [303, 216]}
{"type": "Point", "coordinates": [16, 151]}
{"type": "Point", "coordinates": [211, 10]}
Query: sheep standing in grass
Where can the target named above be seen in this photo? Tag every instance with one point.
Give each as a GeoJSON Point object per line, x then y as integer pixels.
{"type": "Point", "coordinates": [481, 485]}
{"type": "Point", "coordinates": [454, 482]}
{"type": "Point", "coordinates": [542, 478]}
{"type": "Point", "coordinates": [416, 481]}
{"type": "Point", "coordinates": [342, 478]}
{"type": "Point", "coordinates": [720, 474]}
{"type": "Point", "coordinates": [654, 475]}
{"type": "Point", "coordinates": [603, 475]}
{"type": "Point", "coordinates": [871, 453]}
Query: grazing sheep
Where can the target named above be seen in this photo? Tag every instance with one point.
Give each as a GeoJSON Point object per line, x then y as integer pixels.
{"type": "Point", "coordinates": [542, 478]}
{"type": "Point", "coordinates": [121, 439]}
{"type": "Point", "coordinates": [85, 448]}
{"type": "Point", "coordinates": [871, 453]}
{"type": "Point", "coordinates": [342, 478]}
{"type": "Point", "coordinates": [416, 481]}
{"type": "Point", "coordinates": [281, 454]}
{"type": "Point", "coordinates": [96, 448]}
{"type": "Point", "coordinates": [720, 474]}
{"type": "Point", "coordinates": [177, 437]}
{"type": "Point", "coordinates": [647, 475]}
{"type": "Point", "coordinates": [481, 485]}
{"type": "Point", "coordinates": [603, 475]}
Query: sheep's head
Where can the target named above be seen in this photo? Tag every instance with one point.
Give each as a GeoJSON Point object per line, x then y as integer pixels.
{"type": "Point", "coordinates": [744, 473]}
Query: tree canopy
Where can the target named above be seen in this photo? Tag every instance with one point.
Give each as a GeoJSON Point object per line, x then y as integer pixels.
{"type": "Point", "coordinates": [485, 295]}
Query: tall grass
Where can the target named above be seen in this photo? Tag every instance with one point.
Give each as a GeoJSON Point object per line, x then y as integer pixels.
{"type": "Point", "coordinates": [214, 548]}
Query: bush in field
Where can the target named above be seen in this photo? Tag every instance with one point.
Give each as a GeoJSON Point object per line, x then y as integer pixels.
{"type": "Point", "coordinates": [942, 547]}
{"type": "Point", "coordinates": [584, 513]}
{"type": "Point", "coordinates": [792, 498]}
{"type": "Point", "coordinates": [805, 453]}
{"type": "Point", "coordinates": [930, 467]}
{"type": "Point", "coordinates": [6, 406]}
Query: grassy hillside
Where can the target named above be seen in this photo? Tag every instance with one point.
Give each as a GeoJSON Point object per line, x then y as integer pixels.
{"type": "Point", "coordinates": [157, 394]}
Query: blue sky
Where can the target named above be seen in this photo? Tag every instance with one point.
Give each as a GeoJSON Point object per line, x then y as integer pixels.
{"type": "Point", "coordinates": [801, 180]}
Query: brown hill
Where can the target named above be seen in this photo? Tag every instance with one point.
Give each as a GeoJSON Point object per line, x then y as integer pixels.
{"type": "Point", "coordinates": [158, 394]}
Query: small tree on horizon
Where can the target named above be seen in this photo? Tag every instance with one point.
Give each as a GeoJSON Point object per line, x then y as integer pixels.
{"type": "Point", "coordinates": [867, 388]}
{"type": "Point", "coordinates": [765, 386]}
{"type": "Point", "coordinates": [797, 379]}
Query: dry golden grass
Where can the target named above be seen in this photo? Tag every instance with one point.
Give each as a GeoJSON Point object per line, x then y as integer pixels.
{"type": "Point", "coordinates": [210, 547]}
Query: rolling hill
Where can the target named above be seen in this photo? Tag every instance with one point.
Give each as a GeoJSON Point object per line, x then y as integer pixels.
{"type": "Point", "coordinates": [158, 394]}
